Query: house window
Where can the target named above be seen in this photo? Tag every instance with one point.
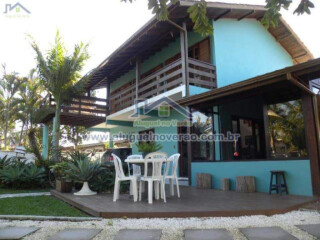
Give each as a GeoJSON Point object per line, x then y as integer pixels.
{"type": "Point", "coordinates": [202, 150]}
{"type": "Point", "coordinates": [249, 144]}
{"type": "Point", "coordinates": [146, 136]}
{"type": "Point", "coordinates": [287, 131]}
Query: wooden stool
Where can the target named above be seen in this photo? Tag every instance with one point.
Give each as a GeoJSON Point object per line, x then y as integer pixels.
{"type": "Point", "coordinates": [279, 187]}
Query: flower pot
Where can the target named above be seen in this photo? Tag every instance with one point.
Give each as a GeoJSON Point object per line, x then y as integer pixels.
{"type": "Point", "coordinates": [85, 190]}
{"type": "Point", "coordinates": [64, 186]}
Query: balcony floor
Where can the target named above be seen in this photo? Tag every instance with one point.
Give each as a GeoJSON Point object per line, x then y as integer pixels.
{"type": "Point", "coordinates": [193, 203]}
{"type": "Point", "coordinates": [75, 119]}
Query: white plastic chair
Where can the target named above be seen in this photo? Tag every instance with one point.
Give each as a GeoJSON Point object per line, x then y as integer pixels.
{"type": "Point", "coordinates": [136, 169]}
{"type": "Point", "coordinates": [20, 151]}
{"type": "Point", "coordinates": [173, 161]}
{"type": "Point", "coordinates": [157, 159]}
{"type": "Point", "coordinates": [121, 177]}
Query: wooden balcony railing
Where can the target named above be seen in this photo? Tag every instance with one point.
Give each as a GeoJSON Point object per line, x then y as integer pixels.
{"type": "Point", "coordinates": [201, 74]}
{"type": "Point", "coordinates": [84, 105]}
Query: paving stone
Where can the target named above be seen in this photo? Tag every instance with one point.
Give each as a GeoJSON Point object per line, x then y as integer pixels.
{"type": "Point", "coordinates": [207, 234]}
{"type": "Point", "coordinates": [76, 234]}
{"type": "Point", "coordinates": [266, 233]}
{"type": "Point", "coordinates": [138, 234]}
{"type": "Point", "coordinates": [313, 229]}
{"type": "Point", "coordinates": [16, 232]}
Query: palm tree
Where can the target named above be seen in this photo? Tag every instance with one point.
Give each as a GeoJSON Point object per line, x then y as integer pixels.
{"type": "Point", "coordinates": [59, 73]}
{"type": "Point", "coordinates": [29, 107]}
{"type": "Point", "coordinates": [9, 86]}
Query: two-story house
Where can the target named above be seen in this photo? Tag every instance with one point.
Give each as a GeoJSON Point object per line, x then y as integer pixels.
{"type": "Point", "coordinates": [209, 77]}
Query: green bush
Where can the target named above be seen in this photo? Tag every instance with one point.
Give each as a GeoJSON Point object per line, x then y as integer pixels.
{"type": "Point", "coordinates": [5, 161]}
{"type": "Point", "coordinates": [34, 176]}
{"type": "Point", "coordinates": [83, 170]}
{"type": "Point", "coordinates": [103, 181]}
{"type": "Point", "coordinates": [19, 174]}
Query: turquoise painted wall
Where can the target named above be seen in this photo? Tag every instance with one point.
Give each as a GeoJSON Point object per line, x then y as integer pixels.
{"type": "Point", "coordinates": [297, 174]}
{"type": "Point", "coordinates": [194, 90]}
{"type": "Point", "coordinates": [160, 57]}
{"type": "Point", "coordinates": [170, 147]}
{"type": "Point", "coordinates": [245, 49]}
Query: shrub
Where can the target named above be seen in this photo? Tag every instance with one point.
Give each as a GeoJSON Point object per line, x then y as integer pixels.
{"type": "Point", "coordinates": [148, 147]}
{"type": "Point", "coordinates": [13, 176]}
{"type": "Point", "coordinates": [60, 170]}
{"type": "Point", "coordinates": [18, 174]}
{"type": "Point", "coordinates": [83, 170]}
{"type": "Point", "coordinates": [4, 161]}
{"type": "Point", "coordinates": [34, 176]}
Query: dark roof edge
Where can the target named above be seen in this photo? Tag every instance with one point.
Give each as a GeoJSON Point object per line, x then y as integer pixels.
{"type": "Point", "coordinates": [281, 73]}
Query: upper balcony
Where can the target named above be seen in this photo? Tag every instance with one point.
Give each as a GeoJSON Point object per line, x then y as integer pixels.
{"type": "Point", "coordinates": [200, 74]}
{"type": "Point", "coordinates": [78, 111]}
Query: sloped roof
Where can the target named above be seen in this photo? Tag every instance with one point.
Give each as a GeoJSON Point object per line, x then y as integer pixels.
{"type": "Point", "coordinates": [155, 35]}
{"type": "Point", "coordinates": [304, 72]}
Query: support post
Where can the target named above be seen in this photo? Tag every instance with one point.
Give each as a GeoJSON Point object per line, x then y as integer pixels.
{"type": "Point", "coordinates": [53, 135]}
{"type": "Point", "coordinates": [186, 51]}
{"type": "Point", "coordinates": [108, 98]}
{"type": "Point", "coordinates": [310, 117]}
{"type": "Point", "coordinates": [183, 61]}
{"type": "Point", "coordinates": [138, 74]}
{"type": "Point", "coordinates": [45, 142]}
{"type": "Point", "coordinates": [189, 144]}
{"type": "Point", "coordinates": [266, 131]}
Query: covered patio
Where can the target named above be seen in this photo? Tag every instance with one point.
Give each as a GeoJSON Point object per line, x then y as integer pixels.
{"type": "Point", "coordinates": [193, 203]}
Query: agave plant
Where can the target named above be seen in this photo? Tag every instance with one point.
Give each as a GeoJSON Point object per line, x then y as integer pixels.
{"type": "Point", "coordinates": [4, 161]}
{"type": "Point", "coordinates": [83, 170]}
{"type": "Point", "coordinates": [13, 175]}
{"type": "Point", "coordinates": [34, 175]}
{"type": "Point", "coordinates": [75, 156]}
{"type": "Point", "coordinates": [148, 147]}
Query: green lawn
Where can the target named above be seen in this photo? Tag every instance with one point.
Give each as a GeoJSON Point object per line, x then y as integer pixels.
{"type": "Point", "coordinates": [40, 206]}
{"type": "Point", "coordinates": [9, 190]}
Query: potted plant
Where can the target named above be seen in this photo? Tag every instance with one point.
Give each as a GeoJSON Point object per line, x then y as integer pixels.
{"type": "Point", "coordinates": [83, 171]}
{"type": "Point", "coordinates": [63, 183]}
{"type": "Point", "coordinates": [148, 147]}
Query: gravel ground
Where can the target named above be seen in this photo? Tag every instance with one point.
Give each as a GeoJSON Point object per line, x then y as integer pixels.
{"type": "Point", "coordinates": [172, 228]}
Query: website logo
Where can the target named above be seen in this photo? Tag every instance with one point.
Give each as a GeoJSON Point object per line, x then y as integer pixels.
{"type": "Point", "coordinates": [16, 11]}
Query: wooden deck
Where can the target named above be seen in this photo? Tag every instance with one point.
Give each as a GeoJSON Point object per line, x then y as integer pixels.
{"type": "Point", "coordinates": [193, 203]}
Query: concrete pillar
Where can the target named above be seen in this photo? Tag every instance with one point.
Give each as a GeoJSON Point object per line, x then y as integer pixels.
{"type": "Point", "coordinates": [45, 142]}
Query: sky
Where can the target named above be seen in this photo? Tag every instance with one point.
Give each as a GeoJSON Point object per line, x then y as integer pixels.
{"type": "Point", "coordinates": [104, 24]}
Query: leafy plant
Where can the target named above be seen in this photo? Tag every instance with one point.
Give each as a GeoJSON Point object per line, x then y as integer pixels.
{"type": "Point", "coordinates": [83, 170]}
{"type": "Point", "coordinates": [60, 170]}
{"type": "Point", "coordinates": [19, 174]}
{"type": "Point", "coordinates": [103, 181]}
{"type": "Point", "coordinates": [75, 156]}
{"type": "Point", "coordinates": [148, 147]}
{"type": "Point", "coordinates": [13, 175]}
{"type": "Point", "coordinates": [59, 73]}
{"type": "Point", "coordinates": [34, 176]}
{"type": "Point", "coordinates": [4, 161]}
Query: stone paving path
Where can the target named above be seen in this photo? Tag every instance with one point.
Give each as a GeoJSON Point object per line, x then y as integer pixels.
{"type": "Point", "coordinates": [76, 234]}
{"type": "Point", "coordinates": [16, 232]}
{"type": "Point", "coordinates": [250, 233]}
{"type": "Point", "coordinates": [313, 229]}
{"type": "Point", "coordinates": [24, 195]}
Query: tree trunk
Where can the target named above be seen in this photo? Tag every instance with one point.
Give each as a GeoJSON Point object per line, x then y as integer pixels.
{"type": "Point", "coordinates": [56, 131]}
{"type": "Point", "coordinates": [21, 132]}
{"type": "Point", "coordinates": [203, 180]}
{"type": "Point", "coordinates": [245, 184]}
{"type": "Point", "coordinates": [6, 128]}
{"type": "Point", "coordinates": [33, 144]}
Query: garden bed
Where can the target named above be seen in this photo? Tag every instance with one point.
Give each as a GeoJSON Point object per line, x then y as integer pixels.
{"type": "Point", "coordinates": [38, 206]}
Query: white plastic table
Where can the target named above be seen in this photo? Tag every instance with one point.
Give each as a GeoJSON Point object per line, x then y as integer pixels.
{"type": "Point", "coordinates": [141, 162]}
